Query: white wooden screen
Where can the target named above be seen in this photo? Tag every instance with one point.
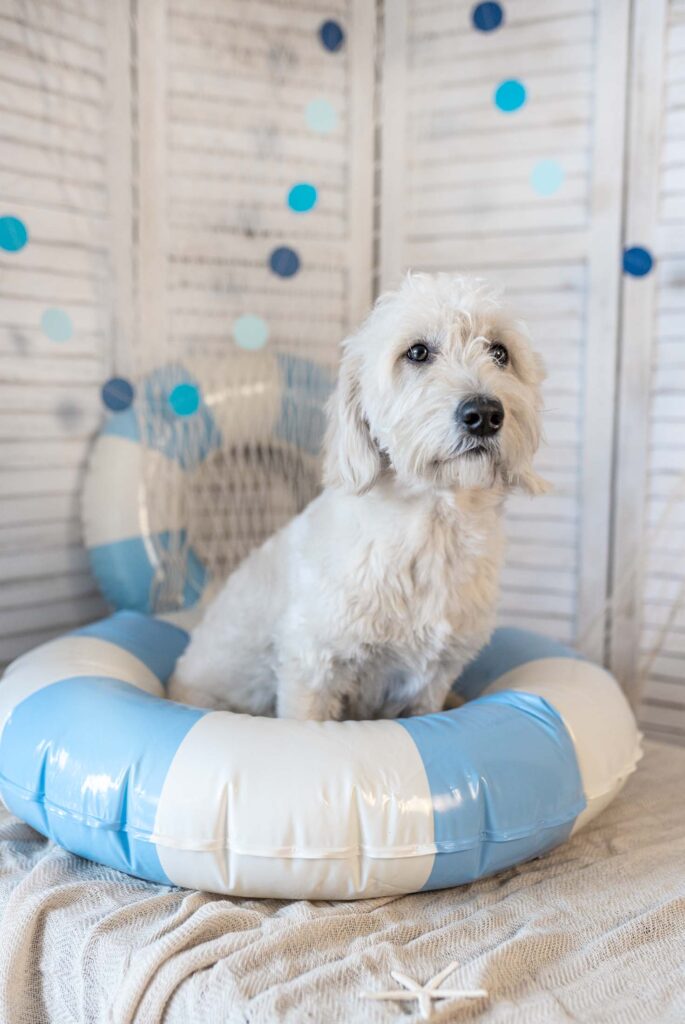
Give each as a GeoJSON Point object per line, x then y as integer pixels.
{"type": "Point", "coordinates": [223, 97]}
{"type": "Point", "coordinates": [53, 175]}
{"type": "Point", "coordinates": [150, 157]}
{"type": "Point", "coordinates": [465, 202]}
{"type": "Point", "coordinates": [649, 543]}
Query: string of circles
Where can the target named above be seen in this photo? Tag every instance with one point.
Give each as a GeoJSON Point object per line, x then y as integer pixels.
{"type": "Point", "coordinates": [250, 331]}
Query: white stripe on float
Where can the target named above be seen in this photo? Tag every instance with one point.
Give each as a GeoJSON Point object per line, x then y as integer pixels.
{"type": "Point", "coordinates": [71, 656]}
{"type": "Point", "coordinates": [274, 808]}
{"type": "Point", "coordinates": [113, 505]}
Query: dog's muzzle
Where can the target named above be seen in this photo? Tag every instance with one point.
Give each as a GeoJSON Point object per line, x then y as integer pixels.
{"type": "Point", "coordinates": [480, 415]}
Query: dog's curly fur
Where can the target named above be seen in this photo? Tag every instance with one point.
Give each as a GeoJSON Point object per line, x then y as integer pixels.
{"type": "Point", "coordinates": [371, 601]}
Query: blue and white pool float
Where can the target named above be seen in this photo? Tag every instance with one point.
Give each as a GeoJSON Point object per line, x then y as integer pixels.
{"type": "Point", "coordinates": [144, 561]}
{"type": "Point", "coordinates": [94, 756]}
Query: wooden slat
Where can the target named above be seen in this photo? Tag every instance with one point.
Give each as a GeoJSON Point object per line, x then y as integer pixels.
{"type": "Point", "coordinates": [604, 281]}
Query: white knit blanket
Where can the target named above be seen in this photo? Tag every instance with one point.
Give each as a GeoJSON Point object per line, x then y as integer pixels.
{"type": "Point", "coordinates": [593, 932]}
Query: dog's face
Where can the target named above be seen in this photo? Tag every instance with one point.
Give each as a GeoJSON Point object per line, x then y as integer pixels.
{"type": "Point", "coordinates": [440, 386]}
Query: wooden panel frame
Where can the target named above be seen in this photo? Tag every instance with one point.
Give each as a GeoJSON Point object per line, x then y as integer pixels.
{"type": "Point", "coordinates": [153, 247]}
{"type": "Point", "coordinates": [120, 185]}
{"type": "Point", "coordinates": [602, 336]}
{"type": "Point", "coordinates": [648, 53]}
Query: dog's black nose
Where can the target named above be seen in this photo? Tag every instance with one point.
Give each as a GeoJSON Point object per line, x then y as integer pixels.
{"type": "Point", "coordinates": [481, 416]}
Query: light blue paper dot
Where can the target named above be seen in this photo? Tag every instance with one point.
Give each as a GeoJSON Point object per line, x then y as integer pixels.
{"type": "Point", "coordinates": [250, 332]}
{"type": "Point", "coordinates": [184, 399]}
{"type": "Point", "coordinates": [302, 197]}
{"type": "Point", "coordinates": [321, 116]}
{"type": "Point", "coordinates": [13, 234]}
{"type": "Point", "coordinates": [547, 177]}
{"type": "Point", "coordinates": [510, 95]}
{"type": "Point", "coordinates": [57, 325]}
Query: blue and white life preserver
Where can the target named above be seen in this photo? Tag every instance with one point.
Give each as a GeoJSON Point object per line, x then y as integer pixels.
{"type": "Point", "coordinates": [147, 562]}
{"type": "Point", "coordinates": [94, 756]}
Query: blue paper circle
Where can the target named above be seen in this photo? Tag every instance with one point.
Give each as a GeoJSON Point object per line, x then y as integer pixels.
{"type": "Point", "coordinates": [487, 17]}
{"type": "Point", "coordinates": [13, 234]}
{"type": "Point", "coordinates": [331, 35]}
{"type": "Point", "coordinates": [56, 324]}
{"type": "Point", "coordinates": [184, 399]}
{"type": "Point", "coordinates": [321, 116]}
{"type": "Point", "coordinates": [637, 261]}
{"type": "Point", "coordinates": [284, 261]}
{"type": "Point", "coordinates": [547, 177]}
{"type": "Point", "coordinates": [250, 332]}
{"type": "Point", "coordinates": [117, 394]}
{"type": "Point", "coordinates": [510, 95]}
{"type": "Point", "coordinates": [302, 197]}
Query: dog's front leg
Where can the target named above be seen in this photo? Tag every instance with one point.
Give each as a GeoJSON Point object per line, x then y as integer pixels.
{"type": "Point", "coordinates": [310, 688]}
{"type": "Point", "coordinates": [433, 696]}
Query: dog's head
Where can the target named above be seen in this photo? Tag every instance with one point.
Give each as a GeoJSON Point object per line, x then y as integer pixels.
{"type": "Point", "coordinates": [440, 386]}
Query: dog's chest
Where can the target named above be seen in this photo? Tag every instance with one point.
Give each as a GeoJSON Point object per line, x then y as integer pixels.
{"type": "Point", "coordinates": [421, 587]}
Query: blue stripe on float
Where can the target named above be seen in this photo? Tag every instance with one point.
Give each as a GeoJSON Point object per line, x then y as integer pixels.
{"type": "Point", "coordinates": [509, 648]}
{"type": "Point", "coordinates": [84, 760]}
{"type": "Point", "coordinates": [151, 420]}
{"type": "Point", "coordinates": [302, 418]}
{"type": "Point", "coordinates": [122, 424]}
{"type": "Point", "coordinates": [504, 780]}
{"type": "Point", "coordinates": [126, 573]}
{"type": "Point", "coordinates": [157, 644]}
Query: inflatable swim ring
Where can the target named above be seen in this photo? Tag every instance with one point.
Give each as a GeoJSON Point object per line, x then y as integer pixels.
{"type": "Point", "coordinates": [94, 756]}
{"type": "Point", "coordinates": [253, 430]}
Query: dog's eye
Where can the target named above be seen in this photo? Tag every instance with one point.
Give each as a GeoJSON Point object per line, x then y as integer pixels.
{"type": "Point", "coordinates": [418, 353]}
{"type": "Point", "coordinates": [499, 353]}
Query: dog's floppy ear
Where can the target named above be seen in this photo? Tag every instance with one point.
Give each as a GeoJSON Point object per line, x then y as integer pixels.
{"type": "Point", "coordinates": [531, 482]}
{"type": "Point", "coordinates": [351, 458]}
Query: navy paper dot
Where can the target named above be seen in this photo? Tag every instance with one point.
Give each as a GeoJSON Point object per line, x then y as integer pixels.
{"type": "Point", "coordinates": [331, 35]}
{"type": "Point", "coordinates": [487, 17]}
{"type": "Point", "coordinates": [117, 394]}
{"type": "Point", "coordinates": [13, 234]}
{"type": "Point", "coordinates": [637, 261]}
{"type": "Point", "coordinates": [284, 261]}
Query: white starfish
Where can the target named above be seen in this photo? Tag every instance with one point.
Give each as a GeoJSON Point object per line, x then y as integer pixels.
{"type": "Point", "coordinates": [426, 994]}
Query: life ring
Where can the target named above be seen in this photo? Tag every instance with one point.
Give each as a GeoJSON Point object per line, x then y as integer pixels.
{"type": "Point", "coordinates": [93, 756]}
{"type": "Point", "coordinates": [261, 414]}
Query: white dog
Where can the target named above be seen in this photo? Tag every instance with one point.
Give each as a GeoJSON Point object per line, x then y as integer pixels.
{"type": "Point", "coordinates": [371, 601]}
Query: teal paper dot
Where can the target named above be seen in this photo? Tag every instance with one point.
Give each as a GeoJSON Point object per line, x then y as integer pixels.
{"type": "Point", "coordinates": [185, 399]}
{"type": "Point", "coordinates": [510, 95]}
{"type": "Point", "coordinates": [302, 197]}
{"type": "Point", "coordinates": [57, 324]}
{"type": "Point", "coordinates": [547, 177]}
{"type": "Point", "coordinates": [250, 332]}
{"type": "Point", "coordinates": [13, 234]}
{"type": "Point", "coordinates": [321, 116]}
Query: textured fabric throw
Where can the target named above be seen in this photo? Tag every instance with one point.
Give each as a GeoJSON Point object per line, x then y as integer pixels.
{"type": "Point", "coordinates": [593, 932]}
